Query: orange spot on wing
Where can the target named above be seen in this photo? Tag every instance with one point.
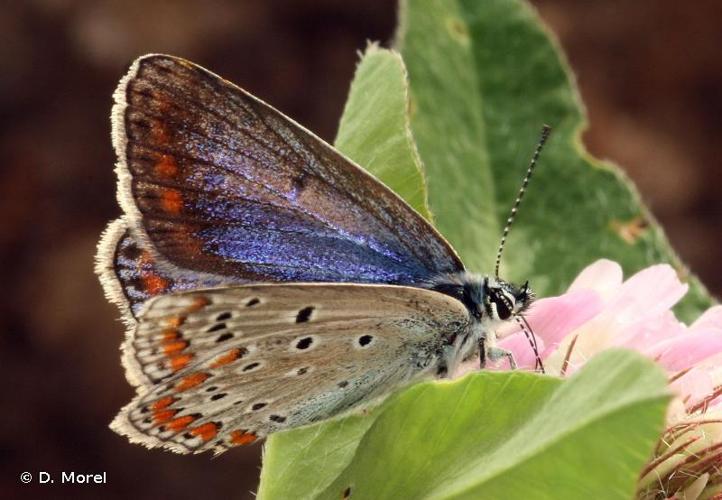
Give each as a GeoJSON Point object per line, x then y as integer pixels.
{"type": "Point", "coordinates": [171, 334]}
{"type": "Point", "coordinates": [171, 200]}
{"type": "Point", "coordinates": [172, 347]}
{"type": "Point", "coordinates": [162, 416]}
{"type": "Point", "coordinates": [163, 403]}
{"type": "Point", "coordinates": [159, 132]}
{"type": "Point", "coordinates": [229, 357]}
{"type": "Point", "coordinates": [180, 423]}
{"type": "Point", "coordinates": [198, 303]}
{"type": "Point", "coordinates": [166, 167]}
{"type": "Point", "coordinates": [153, 284]}
{"type": "Point", "coordinates": [191, 381]}
{"type": "Point", "coordinates": [240, 438]}
{"type": "Point", "coordinates": [206, 431]}
{"type": "Point", "coordinates": [174, 321]}
{"type": "Point", "coordinates": [179, 361]}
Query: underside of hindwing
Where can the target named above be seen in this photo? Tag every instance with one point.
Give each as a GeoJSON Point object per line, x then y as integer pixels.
{"type": "Point", "coordinates": [218, 368]}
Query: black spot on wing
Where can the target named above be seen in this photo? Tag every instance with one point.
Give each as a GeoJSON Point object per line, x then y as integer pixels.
{"type": "Point", "coordinates": [304, 343]}
{"type": "Point", "coordinates": [365, 340]}
{"type": "Point", "coordinates": [304, 314]}
{"type": "Point", "coordinates": [224, 336]}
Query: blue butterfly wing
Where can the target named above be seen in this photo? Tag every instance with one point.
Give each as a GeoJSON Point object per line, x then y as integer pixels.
{"type": "Point", "coordinates": [215, 181]}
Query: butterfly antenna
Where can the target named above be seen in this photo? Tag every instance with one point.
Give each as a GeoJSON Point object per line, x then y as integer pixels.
{"type": "Point", "coordinates": [546, 130]}
{"type": "Point", "coordinates": [529, 334]}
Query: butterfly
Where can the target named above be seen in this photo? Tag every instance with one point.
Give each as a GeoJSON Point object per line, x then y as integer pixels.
{"type": "Point", "coordinates": [267, 281]}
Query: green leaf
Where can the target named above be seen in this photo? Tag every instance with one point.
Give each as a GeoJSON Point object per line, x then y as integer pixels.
{"type": "Point", "coordinates": [302, 463]}
{"type": "Point", "coordinates": [488, 435]}
{"type": "Point", "coordinates": [485, 75]}
{"type": "Point", "coordinates": [375, 130]}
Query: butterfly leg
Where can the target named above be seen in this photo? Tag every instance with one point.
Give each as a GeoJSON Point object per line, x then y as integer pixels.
{"type": "Point", "coordinates": [482, 353]}
{"type": "Point", "coordinates": [497, 353]}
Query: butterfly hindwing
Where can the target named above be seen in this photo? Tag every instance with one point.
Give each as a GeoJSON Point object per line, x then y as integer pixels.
{"type": "Point", "coordinates": [218, 182]}
{"type": "Point", "coordinates": [130, 274]}
{"type": "Point", "coordinates": [225, 367]}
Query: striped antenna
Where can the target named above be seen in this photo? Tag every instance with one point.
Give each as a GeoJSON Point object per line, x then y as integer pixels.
{"type": "Point", "coordinates": [546, 130]}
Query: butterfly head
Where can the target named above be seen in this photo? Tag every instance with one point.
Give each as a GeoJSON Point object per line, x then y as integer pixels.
{"type": "Point", "coordinates": [487, 298]}
{"type": "Point", "coordinates": [501, 299]}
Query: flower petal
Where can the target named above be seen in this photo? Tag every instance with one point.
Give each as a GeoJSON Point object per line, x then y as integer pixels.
{"type": "Point", "coordinates": [648, 293]}
{"type": "Point", "coordinates": [603, 276]}
{"type": "Point", "coordinates": [693, 385]}
{"type": "Point", "coordinates": [646, 333]}
{"type": "Point", "coordinates": [684, 351]}
{"type": "Point", "coordinates": [590, 338]}
{"type": "Point", "coordinates": [712, 317]}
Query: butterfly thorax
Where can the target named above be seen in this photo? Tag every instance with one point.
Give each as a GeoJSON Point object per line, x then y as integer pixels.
{"type": "Point", "coordinates": [490, 302]}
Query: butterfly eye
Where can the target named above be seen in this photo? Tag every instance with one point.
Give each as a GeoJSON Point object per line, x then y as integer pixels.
{"type": "Point", "coordinates": [503, 310]}
{"type": "Point", "coordinates": [504, 305]}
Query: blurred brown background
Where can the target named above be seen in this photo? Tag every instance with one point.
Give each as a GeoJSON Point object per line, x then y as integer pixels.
{"type": "Point", "coordinates": [650, 73]}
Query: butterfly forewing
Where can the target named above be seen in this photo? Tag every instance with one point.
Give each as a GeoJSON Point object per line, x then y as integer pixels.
{"type": "Point", "coordinates": [227, 366]}
{"type": "Point", "coordinates": [218, 182]}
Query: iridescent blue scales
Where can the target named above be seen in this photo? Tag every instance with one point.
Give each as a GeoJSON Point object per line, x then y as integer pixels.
{"type": "Point", "coordinates": [267, 281]}
{"type": "Point", "coordinates": [220, 183]}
